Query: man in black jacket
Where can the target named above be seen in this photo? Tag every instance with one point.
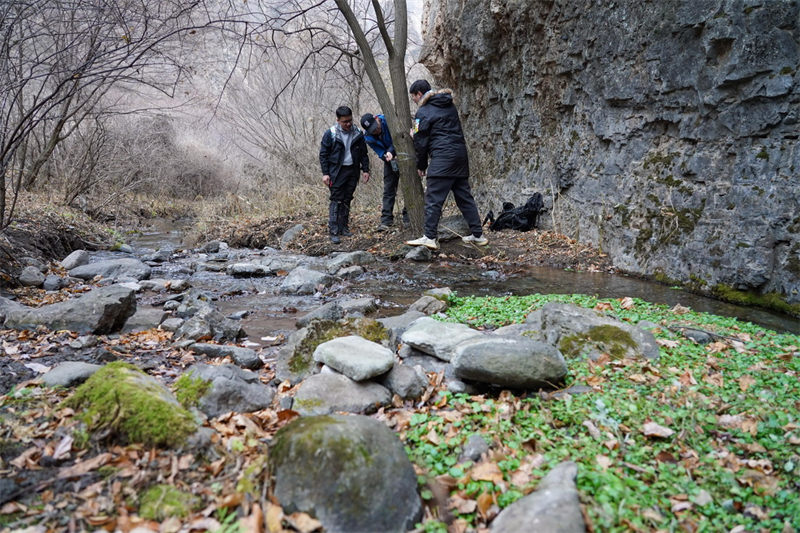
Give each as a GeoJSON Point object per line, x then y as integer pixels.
{"type": "Point", "coordinates": [341, 153]}
{"type": "Point", "coordinates": [437, 135]}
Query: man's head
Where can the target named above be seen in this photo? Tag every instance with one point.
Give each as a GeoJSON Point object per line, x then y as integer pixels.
{"type": "Point", "coordinates": [371, 124]}
{"type": "Point", "coordinates": [344, 116]}
{"type": "Point", "coordinates": [418, 89]}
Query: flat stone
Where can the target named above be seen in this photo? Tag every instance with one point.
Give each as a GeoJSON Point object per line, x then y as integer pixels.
{"type": "Point", "coordinates": [355, 357]}
{"type": "Point", "coordinates": [437, 338]}
{"type": "Point", "coordinates": [514, 362]}
{"type": "Point", "coordinates": [75, 259]}
{"type": "Point", "coordinates": [322, 394]}
{"type": "Point", "coordinates": [554, 506]}
{"type": "Point", "coordinates": [69, 374]}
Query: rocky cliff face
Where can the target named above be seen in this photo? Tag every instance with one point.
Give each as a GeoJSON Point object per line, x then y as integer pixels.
{"type": "Point", "coordinates": [664, 132]}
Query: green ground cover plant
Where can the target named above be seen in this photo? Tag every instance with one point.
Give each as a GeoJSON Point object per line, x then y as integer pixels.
{"type": "Point", "coordinates": [707, 438]}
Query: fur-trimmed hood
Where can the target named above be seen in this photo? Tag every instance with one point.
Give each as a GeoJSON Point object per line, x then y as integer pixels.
{"type": "Point", "coordinates": [428, 95]}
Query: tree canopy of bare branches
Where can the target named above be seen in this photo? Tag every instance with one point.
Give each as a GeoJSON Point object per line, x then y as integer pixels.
{"type": "Point", "coordinates": [58, 58]}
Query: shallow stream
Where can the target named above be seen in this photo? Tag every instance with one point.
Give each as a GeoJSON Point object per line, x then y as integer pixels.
{"type": "Point", "coordinates": [398, 284]}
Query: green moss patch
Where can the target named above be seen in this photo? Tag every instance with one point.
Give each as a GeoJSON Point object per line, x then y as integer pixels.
{"type": "Point", "coordinates": [607, 338]}
{"type": "Point", "coordinates": [189, 390]}
{"type": "Point", "coordinates": [160, 502]}
{"type": "Point", "coordinates": [123, 400]}
{"type": "Point", "coordinates": [771, 300]}
{"type": "Point", "coordinates": [326, 330]}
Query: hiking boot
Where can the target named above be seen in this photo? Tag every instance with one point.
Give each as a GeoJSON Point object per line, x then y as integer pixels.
{"type": "Point", "coordinates": [346, 232]}
{"type": "Point", "coordinates": [335, 239]}
{"type": "Point", "coordinates": [472, 239]}
{"type": "Point", "coordinates": [384, 227]}
{"type": "Point", "coordinates": [426, 242]}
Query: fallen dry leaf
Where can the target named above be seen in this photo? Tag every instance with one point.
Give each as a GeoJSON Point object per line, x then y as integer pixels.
{"type": "Point", "coordinates": [745, 382]}
{"type": "Point", "coordinates": [627, 303]}
{"type": "Point", "coordinates": [274, 518]}
{"type": "Point", "coordinates": [83, 467]}
{"type": "Point", "coordinates": [462, 505]}
{"type": "Point", "coordinates": [678, 309]}
{"type": "Point", "coordinates": [603, 461]}
{"type": "Point", "coordinates": [668, 343]}
{"type": "Point", "coordinates": [651, 429]}
{"type": "Point", "coordinates": [485, 502]}
{"type": "Point", "coordinates": [303, 522]}
{"type": "Point", "coordinates": [487, 472]}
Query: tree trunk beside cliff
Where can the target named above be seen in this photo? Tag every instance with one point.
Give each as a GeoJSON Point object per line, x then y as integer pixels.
{"type": "Point", "coordinates": [397, 112]}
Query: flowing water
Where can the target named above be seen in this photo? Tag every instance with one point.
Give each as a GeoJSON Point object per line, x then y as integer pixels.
{"type": "Point", "coordinates": [398, 284]}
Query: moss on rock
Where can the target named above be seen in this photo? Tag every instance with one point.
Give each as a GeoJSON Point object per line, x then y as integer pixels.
{"type": "Point", "coordinates": [160, 502]}
{"type": "Point", "coordinates": [325, 330]}
{"type": "Point", "coordinates": [606, 338]}
{"type": "Point", "coordinates": [189, 390]}
{"type": "Point", "coordinates": [125, 401]}
{"type": "Point", "coordinates": [771, 300]}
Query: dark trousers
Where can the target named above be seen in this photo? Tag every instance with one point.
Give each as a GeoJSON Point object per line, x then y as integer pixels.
{"type": "Point", "coordinates": [435, 195]}
{"type": "Point", "coordinates": [343, 186]}
{"type": "Point", "coordinates": [390, 181]}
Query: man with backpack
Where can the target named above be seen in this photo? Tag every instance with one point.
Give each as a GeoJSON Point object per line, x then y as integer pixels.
{"type": "Point", "coordinates": [438, 136]}
{"type": "Point", "coordinates": [342, 153]}
{"type": "Point", "coordinates": [380, 140]}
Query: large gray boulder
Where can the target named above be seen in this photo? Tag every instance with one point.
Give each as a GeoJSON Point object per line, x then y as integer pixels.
{"type": "Point", "coordinates": [408, 382]}
{"type": "Point", "coordinates": [302, 280]}
{"type": "Point", "coordinates": [437, 338]}
{"type": "Point", "coordinates": [208, 322]}
{"type": "Point", "coordinates": [580, 332]}
{"type": "Point", "coordinates": [294, 362]}
{"type": "Point", "coordinates": [357, 258]}
{"type": "Point", "coordinates": [350, 472]}
{"type": "Point", "coordinates": [553, 507]}
{"type": "Point", "coordinates": [102, 310]}
{"type": "Point", "coordinates": [31, 277]}
{"type": "Point", "coordinates": [398, 324]}
{"type": "Point", "coordinates": [355, 357]}
{"type": "Point", "coordinates": [241, 356]}
{"type": "Point", "coordinates": [328, 393]}
{"type": "Point", "coordinates": [69, 374]}
{"type": "Point", "coordinates": [114, 269]}
{"type": "Point", "coordinates": [232, 389]}
{"type": "Point", "coordinates": [75, 259]}
{"type": "Point", "coordinates": [515, 362]}
{"type": "Point", "coordinates": [290, 235]}
{"type": "Point", "coordinates": [329, 311]}
{"type": "Point", "coordinates": [144, 318]}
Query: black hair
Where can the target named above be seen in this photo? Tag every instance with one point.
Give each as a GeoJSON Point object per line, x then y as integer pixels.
{"type": "Point", "coordinates": [419, 86]}
{"type": "Point", "coordinates": [343, 111]}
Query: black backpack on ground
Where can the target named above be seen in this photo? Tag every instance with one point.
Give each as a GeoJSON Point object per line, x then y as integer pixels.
{"type": "Point", "coordinates": [522, 218]}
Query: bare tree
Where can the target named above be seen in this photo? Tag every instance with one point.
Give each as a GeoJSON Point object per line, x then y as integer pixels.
{"type": "Point", "coordinates": [59, 57]}
{"type": "Point", "coordinates": [337, 43]}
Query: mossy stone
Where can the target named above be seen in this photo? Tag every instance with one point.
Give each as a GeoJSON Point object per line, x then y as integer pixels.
{"type": "Point", "coordinates": [325, 330]}
{"type": "Point", "coordinates": [160, 502]}
{"type": "Point", "coordinates": [132, 405]}
{"type": "Point", "coordinates": [605, 338]}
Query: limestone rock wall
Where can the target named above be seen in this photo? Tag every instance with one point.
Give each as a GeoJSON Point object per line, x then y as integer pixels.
{"type": "Point", "coordinates": [664, 132]}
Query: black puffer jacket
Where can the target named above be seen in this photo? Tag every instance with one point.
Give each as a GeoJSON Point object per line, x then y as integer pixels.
{"type": "Point", "coordinates": [438, 135]}
{"type": "Point", "coordinates": [331, 152]}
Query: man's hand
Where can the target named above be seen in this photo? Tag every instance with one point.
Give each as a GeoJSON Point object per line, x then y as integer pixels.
{"type": "Point", "coordinates": [388, 156]}
{"type": "Point", "coordinates": [365, 176]}
{"type": "Point", "coordinates": [326, 179]}
{"type": "Point", "coordinates": [421, 173]}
